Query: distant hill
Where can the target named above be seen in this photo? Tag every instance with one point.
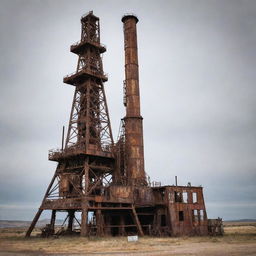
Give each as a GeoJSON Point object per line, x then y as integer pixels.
{"type": "Point", "coordinates": [242, 220]}
{"type": "Point", "coordinates": [22, 224]}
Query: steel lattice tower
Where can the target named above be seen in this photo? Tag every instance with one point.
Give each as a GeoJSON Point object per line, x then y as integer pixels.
{"type": "Point", "coordinates": [86, 162]}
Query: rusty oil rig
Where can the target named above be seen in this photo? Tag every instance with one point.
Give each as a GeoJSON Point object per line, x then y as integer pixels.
{"type": "Point", "coordinates": [104, 181]}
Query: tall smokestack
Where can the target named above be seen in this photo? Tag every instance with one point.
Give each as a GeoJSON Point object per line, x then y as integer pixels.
{"type": "Point", "coordinates": [133, 119]}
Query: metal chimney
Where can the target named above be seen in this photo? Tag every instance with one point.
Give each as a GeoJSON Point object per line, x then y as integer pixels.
{"type": "Point", "coordinates": [133, 119]}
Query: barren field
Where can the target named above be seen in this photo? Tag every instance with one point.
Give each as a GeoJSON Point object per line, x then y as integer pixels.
{"type": "Point", "coordinates": [239, 239]}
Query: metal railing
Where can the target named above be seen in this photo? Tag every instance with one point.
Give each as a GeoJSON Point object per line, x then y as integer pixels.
{"type": "Point", "coordinates": [89, 41]}
{"type": "Point", "coordinates": [56, 152]}
{"type": "Point", "coordinates": [89, 71]}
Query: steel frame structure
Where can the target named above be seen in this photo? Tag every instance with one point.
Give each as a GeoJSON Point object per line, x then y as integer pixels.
{"type": "Point", "coordinates": [106, 181]}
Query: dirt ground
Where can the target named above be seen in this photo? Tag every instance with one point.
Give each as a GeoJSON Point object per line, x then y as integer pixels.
{"type": "Point", "coordinates": [238, 240]}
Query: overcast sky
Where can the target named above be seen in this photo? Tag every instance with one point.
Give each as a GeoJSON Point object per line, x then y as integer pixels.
{"type": "Point", "coordinates": [197, 80]}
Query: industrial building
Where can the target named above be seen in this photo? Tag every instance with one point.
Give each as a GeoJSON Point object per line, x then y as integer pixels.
{"type": "Point", "coordinates": [103, 180]}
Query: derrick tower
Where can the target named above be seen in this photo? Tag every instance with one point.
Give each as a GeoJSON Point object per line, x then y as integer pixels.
{"type": "Point", "coordinates": [85, 164]}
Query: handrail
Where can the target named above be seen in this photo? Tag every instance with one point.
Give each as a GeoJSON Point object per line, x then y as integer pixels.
{"type": "Point", "coordinates": [90, 41]}
{"type": "Point", "coordinates": [72, 149]}
{"type": "Point", "coordinates": [87, 70]}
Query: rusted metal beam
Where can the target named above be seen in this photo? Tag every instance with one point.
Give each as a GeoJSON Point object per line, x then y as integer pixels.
{"type": "Point", "coordinates": [71, 216]}
{"type": "Point", "coordinates": [53, 218]}
{"type": "Point", "coordinates": [137, 222]}
{"type": "Point", "coordinates": [33, 223]}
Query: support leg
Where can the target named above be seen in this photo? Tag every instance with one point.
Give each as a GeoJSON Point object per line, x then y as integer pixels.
{"type": "Point", "coordinates": [33, 223]}
{"type": "Point", "coordinates": [137, 222]}
{"type": "Point", "coordinates": [122, 228]}
{"type": "Point", "coordinates": [71, 215]}
{"type": "Point", "coordinates": [99, 223]}
{"type": "Point", "coordinates": [107, 224]}
{"type": "Point", "coordinates": [84, 226]}
{"type": "Point", "coordinates": [53, 218]}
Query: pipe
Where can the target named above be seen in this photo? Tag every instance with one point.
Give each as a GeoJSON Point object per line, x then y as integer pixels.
{"type": "Point", "coordinates": [62, 140]}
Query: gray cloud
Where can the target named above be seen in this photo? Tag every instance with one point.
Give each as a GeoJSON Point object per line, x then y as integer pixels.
{"type": "Point", "coordinates": [197, 74]}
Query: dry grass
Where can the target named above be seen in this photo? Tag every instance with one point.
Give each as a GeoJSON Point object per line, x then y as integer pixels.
{"type": "Point", "coordinates": [238, 223]}
{"type": "Point", "coordinates": [12, 240]}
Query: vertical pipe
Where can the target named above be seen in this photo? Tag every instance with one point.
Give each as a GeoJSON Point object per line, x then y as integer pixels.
{"type": "Point", "coordinates": [176, 181]}
{"type": "Point", "coordinates": [133, 120]}
{"type": "Point", "coordinates": [62, 141]}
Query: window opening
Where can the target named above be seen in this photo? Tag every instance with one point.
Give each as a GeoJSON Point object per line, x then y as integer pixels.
{"type": "Point", "coordinates": [194, 197]}
{"type": "Point", "coordinates": [185, 197]}
{"type": "Point", "coordinates": [163, 221]}
{"type": "Point", "coordinates": [194, 216]}
{"type": "Point", "coordinates": [178, 197]}
{"type": "Point", "coordinates": [181, 216]}
{"type": "Point", "coordinates": [201, 214]}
